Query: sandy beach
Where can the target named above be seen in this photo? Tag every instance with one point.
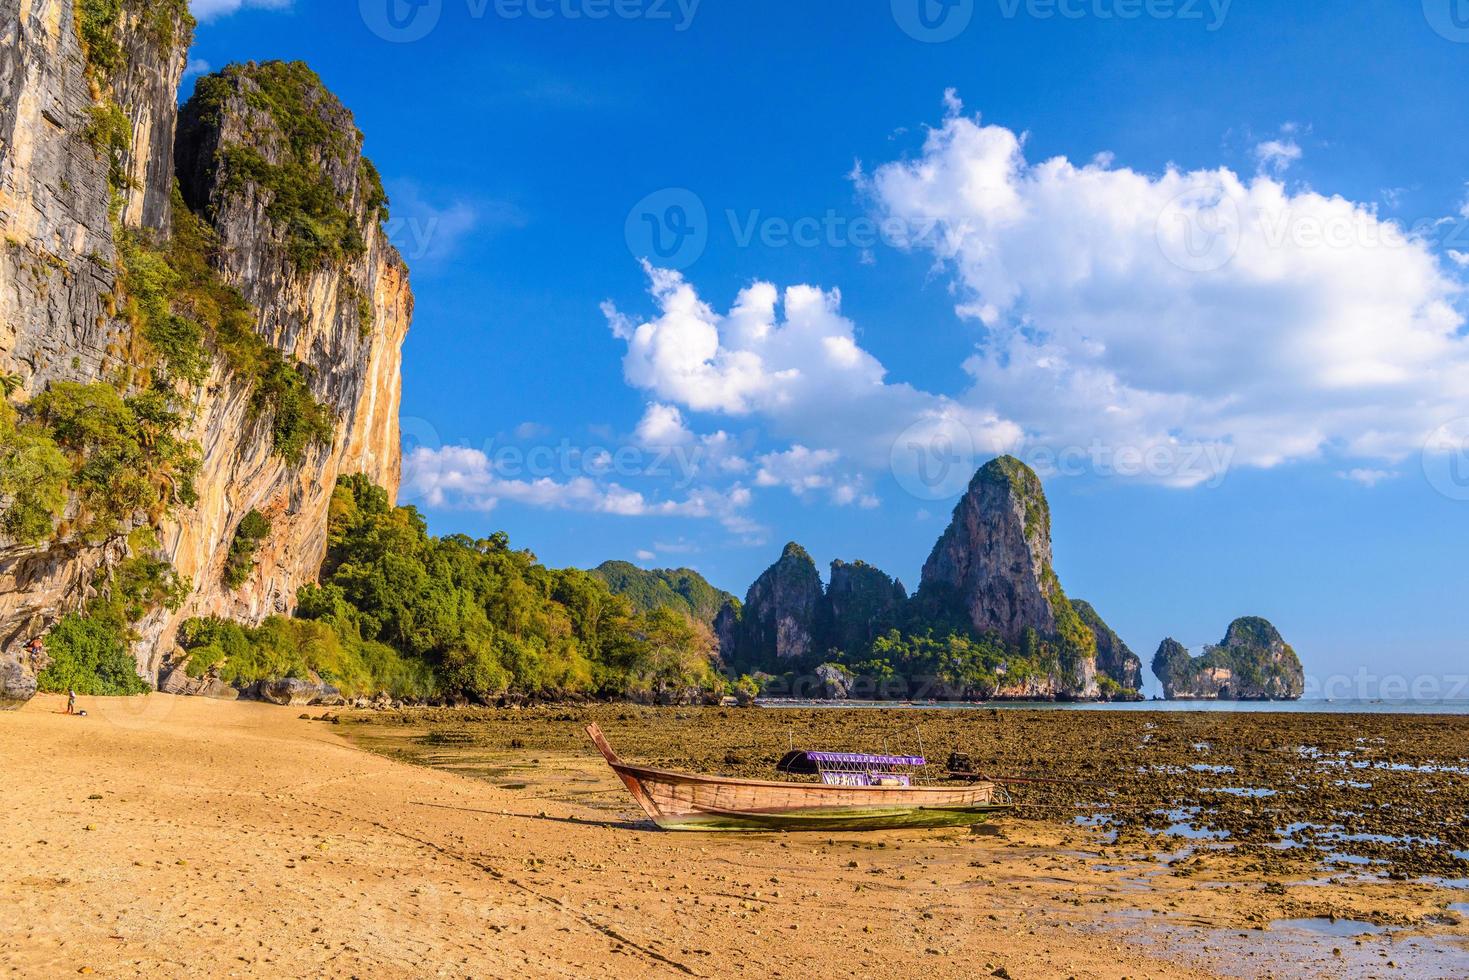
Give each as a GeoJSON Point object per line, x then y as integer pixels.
{"type": "Point", "coordinates": [170, 837]}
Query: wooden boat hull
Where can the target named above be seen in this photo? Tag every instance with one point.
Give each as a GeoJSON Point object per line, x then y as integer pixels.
{"type": "Point", "coordinates": [834, 819]}
{"type": "Point", "coordinates": [681, 801]}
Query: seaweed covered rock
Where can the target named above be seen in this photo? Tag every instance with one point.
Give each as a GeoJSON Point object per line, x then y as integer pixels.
{"type": "Point", "coordinates": [834, 682]}
{"type": "Point", "coordinates": [1252, 663]}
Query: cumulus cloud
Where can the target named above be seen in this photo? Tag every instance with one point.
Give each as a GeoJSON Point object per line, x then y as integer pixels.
{"type": "Point", "coordinates": [461, 477]}
{"type": "Point", "coordinates": [799, 469]}
{"type": "Point", "coordinates": [207, 10]}
{"type": "Point", "coordinates": [663, 425]}
{"type": "Point", "coordinates": [803, 471]}
{"type": "Point", "coordinates": [786, 358]}
{"type": "Point", "coordinates": [1182, 308]}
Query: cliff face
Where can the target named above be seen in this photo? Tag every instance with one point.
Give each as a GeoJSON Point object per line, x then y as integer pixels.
{"type": "Point", "coordinates": [1115, 659]}
{"type": "Point", "coordinates": [993, 564]}
{"type": "Point", "coordinates": [1252, 663]}
{"type": "Point", "coordinates": [990, 619]}
{"type": "Point", "coordinates": [862, 602]}
{"type": "Point", "coordinates": [344, 318]}
{"type": "Point", "coordinates": [995, 557]}
{"type": "Point", "coordinates": [80, 122]}
{"type": "Point", "coordinates": [782, 613]}
{"type": "Point", "coordinates": [58, 268]}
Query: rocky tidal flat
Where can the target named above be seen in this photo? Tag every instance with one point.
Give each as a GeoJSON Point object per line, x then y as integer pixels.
{"type": "Point", "coordinates": [1292, 797]}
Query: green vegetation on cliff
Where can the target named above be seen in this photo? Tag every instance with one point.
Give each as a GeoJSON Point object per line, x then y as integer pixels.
{"type": "Point", "coordinates": [1119, 671]}
{"type": "Point", "coordinates": [98, 22]}
{"type": "Point", "coordinates": [862, 603]}
{"type": "Point", "coordinates": [320, 223]}
{"type": "Point", "coordinates": [990, 617]}
{"type": "Point", "coordinates": [124, 454]}
{"type": "Point", "coordinates": [682, 589]}
{"type": "Point", "coordinates": [955, 665]}
{"type": "Point", "coordinates": [89, 649]}
{"type": "Point", "coordinates": [295, 648]}
{"type": "Point", "coordinates": [33, 475]}
{"type": "Point", "coordinates": [182, 310]}
{"type": "Point", "coordinates": [399, 610]}
{"type": "Point", "coordinates": [1026, 486]}
{"type": "Point", "coordinates": [252, 530]}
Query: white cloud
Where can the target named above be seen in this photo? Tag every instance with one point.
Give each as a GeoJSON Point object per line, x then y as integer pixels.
{"type": "Point", "coordinates": [1367, 477]}
{"type": "Point", "coordinates": [1276, 156]}
{"type": "Point", "coordinates": [1461, 259]}
{"type": "Point", "coordinates": [207, 10]}
{"type": "Point", "coordinates": [461, 477]}
{"type": "Point", "coordinates": [802, 471]}
{"type": "Point", "coordinates": [196, 66]}
{"type": "Point", "coordinates": [721, 452]}
{"type": "Point", "coordinates": [1183, 308]}
{"type": "Point", "coordinates": [798, 469]}
{"type": "Point", "coordinates": [645, 555]}
{"type": "Point", "coordinates": [661, 426]}
{"type": "Point", "coordinates": [789, 359]}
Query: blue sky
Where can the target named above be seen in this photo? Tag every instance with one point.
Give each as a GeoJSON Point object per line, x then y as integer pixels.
{"type": "Point", "coordinates": [1202, 264]}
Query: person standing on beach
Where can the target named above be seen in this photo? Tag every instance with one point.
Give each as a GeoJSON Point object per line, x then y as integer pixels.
{"type": "Point", "coordinates": [71, 701]}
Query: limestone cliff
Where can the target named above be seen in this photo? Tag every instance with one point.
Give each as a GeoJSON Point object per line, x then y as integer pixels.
{"type": "Point", "coordinates": [862, 603]}
{"type": "Point", "coordinates": [1252, 663]}
{"type": "Point", "coordinates": [782, 616]}
{"type": "Point", "coordinates": [1115, 660]}
{"type": "Point", "coordinates": [992, 566]}
{"type": "Point", "coordinates": [89, 133]}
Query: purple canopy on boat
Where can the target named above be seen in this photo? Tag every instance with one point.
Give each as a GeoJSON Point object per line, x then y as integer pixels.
{"type": "Point", "coordinates": [859, 758]}
{"type": "Point", "coordinates": [810, 763]}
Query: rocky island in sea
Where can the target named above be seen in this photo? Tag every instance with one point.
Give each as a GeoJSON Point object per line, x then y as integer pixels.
{"type": "Point", "coordinates": [1252, 663]}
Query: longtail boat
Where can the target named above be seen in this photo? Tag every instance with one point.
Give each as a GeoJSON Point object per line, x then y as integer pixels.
{"type": "Point", "coordinates": [856, 792]}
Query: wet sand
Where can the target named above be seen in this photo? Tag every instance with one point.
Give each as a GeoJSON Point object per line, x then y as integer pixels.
{"type": "Point", "coordinates": [176, 837]}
